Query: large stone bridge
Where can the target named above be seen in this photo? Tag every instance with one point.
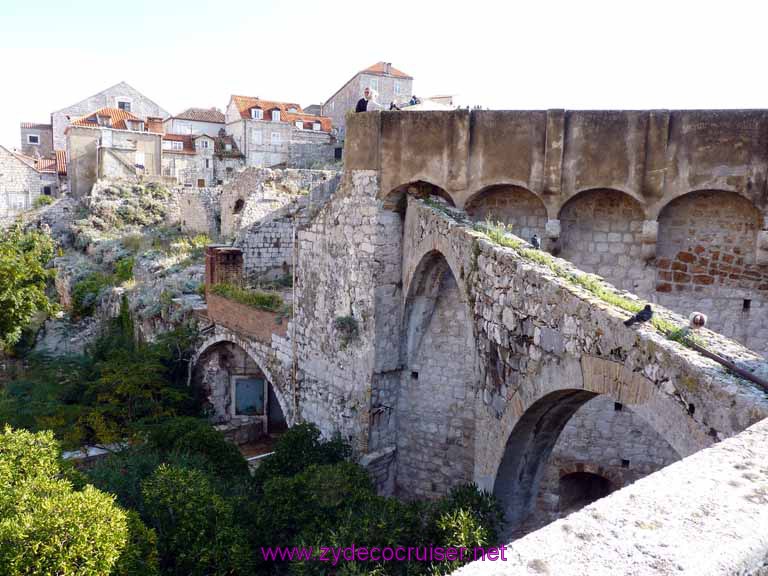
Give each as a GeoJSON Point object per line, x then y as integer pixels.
{"type": "Point", "coordinates": [467, 358]}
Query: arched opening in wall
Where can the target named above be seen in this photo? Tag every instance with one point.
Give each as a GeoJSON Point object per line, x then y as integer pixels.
{"type": "Point", "coordinates": [579, 489]}
{"type": "Point", "coordinates": [233, 391]}
{"type": "Point", "coordinates": [600, 233]}
{"type": "Point", "coordinates": [239, 204]}
{"type": "Point", "coordinates": [436, 423]}
{"type": "Point", "coordinates": [388, 279]}
{"type": "Point", "coordinates": [573, 431]}
{"type": "Point", "coordinates": [513, 205]}
{"type": "Point", "coordinates": [706, 261]}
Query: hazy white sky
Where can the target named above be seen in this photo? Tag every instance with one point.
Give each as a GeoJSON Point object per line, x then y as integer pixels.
{"type": "Point", "coordinates": [505, 54]}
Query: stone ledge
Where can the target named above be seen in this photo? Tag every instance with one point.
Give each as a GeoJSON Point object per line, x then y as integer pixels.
{"type": "Point", "coordinates": [704, 515]}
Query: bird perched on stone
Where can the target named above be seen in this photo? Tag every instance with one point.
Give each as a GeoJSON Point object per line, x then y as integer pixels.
{"type": "Point", "coordinates": [697, 320]}
{"type": "Point", "coordinates": [535, 242]}
{"type": "Point", "coordinates": [643, 316]}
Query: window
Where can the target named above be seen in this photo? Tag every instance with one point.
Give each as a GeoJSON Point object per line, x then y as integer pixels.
{"type": "Point", "coordinates": [256, 137]}
{"type": "Point", "coordinates": [398, 88]}
{"type": "Point", "coordinates": [316, 126]}
{"type": "Point", "coordinates": [33, 139]}
{"type": "Point", "coordinates": [275, 137]}
{"type": "Point", "coordinates": [207, 163]}
{"type": "Point", "coordinates": [103, 120]}
{"type": "Point", "coordinates": [228, 147]}
{"type": "Point", "coordinates": [124, 104]}
{"type": "Point", "coordinates": [292, 110]}
{"type": "Point", "coordinates": [275, 115]}
{"type": "Point", "coordinates": [257, 113]}
{"type": "Point", "coordinates": [177, 145]}
{"type": "Point", "coordinates": [47, 190]}
{"type": "Point", "coordinates": [249, 396]}
{"type": "Point", "coordinates": [203, 143]}
{"type": "Point", "coordinates": [374, 84]}
{"type": "Point", "coordinates": [200, 183]}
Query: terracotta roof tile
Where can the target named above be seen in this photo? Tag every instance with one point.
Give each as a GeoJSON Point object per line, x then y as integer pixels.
{"type": "Point", "coordinates": [117, 116]}
{"type": "Point", "coordinates": [47, 165]}
{"type": "Point", "coordinates": [36, 126]}
{"type": "Point", "coordinates": [381, 68]}
{"type": "Point", "coordinates": [189, 146]}
{"type": "Point", "coordinates": [61, 162]}
{"type": "Point", "coordinates": [246, 103]}
{"type": "Point", "coordinates": [202, 115]}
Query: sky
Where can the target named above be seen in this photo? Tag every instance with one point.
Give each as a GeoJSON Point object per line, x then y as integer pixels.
{"type": "Point", "coordinates": [505, 54]}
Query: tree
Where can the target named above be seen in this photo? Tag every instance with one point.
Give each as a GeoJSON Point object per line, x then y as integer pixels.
{"type": "Point", "coordinates": [46, 526]}
{"type": "Point", "coordinates": [23, 278]}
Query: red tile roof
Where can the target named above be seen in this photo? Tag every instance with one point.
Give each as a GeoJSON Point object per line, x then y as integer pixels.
{"type": "Point", "coordinates": [381, 68]}
{"type": "Point", "coordinates": [189, 146]}
{"type": "Point", "coordinates": [246, 103]}
{"type": "Point", "coordinates": [36, 126]}
{"type": "Point", "coordinates": [61, 162]}
{"type": "Point", "coordinates": [43, 165]}
{"type": "Point", "coordinates": [202, 115]}
{"type": "Point", "coordinates": [117, 116]}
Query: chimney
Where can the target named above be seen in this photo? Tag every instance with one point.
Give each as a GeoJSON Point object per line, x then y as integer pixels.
{"type": "Point", "coordinates": [387, 67]}
{"type": "Point", "coordinates": [155, 124]}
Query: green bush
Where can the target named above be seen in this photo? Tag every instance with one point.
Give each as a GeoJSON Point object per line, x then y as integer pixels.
{"type": "Point", "coordinates": [47, 527]}
{"type": "Point", "coordinates": [270, 301]}
{"type": "Point", "coordinates": [23, 280]}
{"type": "Point", "coordinates": [300, 447]}
{"type": "Point", "coordinates": [124, 269]}
{"type": "Point", "coordinates": [85, 294]}
{"type": "Point", "coordinates": [196, 528]}
{"type": "Point", "coordinates": [42, 200]}
{"type": "Point", "coordinates": [139, 558]}
{"type": "Point", "coordinates": [192, 436]}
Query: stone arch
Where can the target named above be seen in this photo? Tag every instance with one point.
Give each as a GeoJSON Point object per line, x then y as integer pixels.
{"type": "Point", "coordinates": [540, 413]}
{"type": "Point", "coordinates": [601, 233]}
{"type": "Point", "coordinates": [436, 424]}
{"type": "Point", "coordinates": [517, 206]}
{"type": "Point", "coordinates": [582, 487]}
{"type": "Point", "coordinates": [395, 199]}
{"type": "Point", "coordinates": [706, 256]}
{"type": "Point", "coordinates": [217, 363]}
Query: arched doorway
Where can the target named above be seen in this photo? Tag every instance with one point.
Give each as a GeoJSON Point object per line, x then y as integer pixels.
{"type": "Point", "coordinates": [436, 425]}
{"type": "Point", "coordinates": [601, 233]}
{"type": "Point", "coordinates": [578, 489]}
{"type": "Point", "coordinates": [705, 261]}
{"type": "Point", "coordinates": [513, 205]}
{"type": "Point", "coordinates": [236, 394]}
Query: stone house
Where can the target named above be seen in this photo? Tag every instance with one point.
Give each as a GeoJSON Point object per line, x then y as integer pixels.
{"type": "Point", "coordinates": [37, 140]}
{"type": "Point", "coordinates": [392, 85]}
{"type": "Point", "coordinates": [121, 96]}
{"type": "Point", "coordinates": [111, 143]}
{"type": "Point", "coordinates": [195, 121]}
{"type": "Point", "coordinates": [200, 160]}
{"type": "Point", "coordinates": [22, 180]}
{"type": "Point", "coordinates": [278, 134]}
{"type": "Point", "coordinates": [189, 159]}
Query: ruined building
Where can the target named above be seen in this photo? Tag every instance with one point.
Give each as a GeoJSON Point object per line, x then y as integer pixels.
{"type": "Point", "coordinates": [447, 357]}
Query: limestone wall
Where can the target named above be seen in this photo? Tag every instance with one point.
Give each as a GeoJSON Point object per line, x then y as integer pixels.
{"type": "Point", "coordinates": [199, 210]}
{"type": "Point", "coordinates": [20, 184]}
{"type": "Point", "coordinates": [703, 515]}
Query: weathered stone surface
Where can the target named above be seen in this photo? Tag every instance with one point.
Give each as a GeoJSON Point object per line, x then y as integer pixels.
{"type": "Point", "coordinates": [706, 514]}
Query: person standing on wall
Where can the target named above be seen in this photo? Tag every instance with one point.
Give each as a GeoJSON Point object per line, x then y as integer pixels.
{"type": "Point", "coordinates": [368, 102]}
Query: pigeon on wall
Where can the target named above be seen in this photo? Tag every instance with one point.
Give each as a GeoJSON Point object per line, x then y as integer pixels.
{"type": "Point", "coordinates": [643, 316]}
{"type": "Point", "coordinates": [535, 242]}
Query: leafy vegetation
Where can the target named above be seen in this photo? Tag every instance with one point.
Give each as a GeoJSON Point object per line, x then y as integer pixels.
{"type": "Point", "coordinates": [108, 395]}
{"type": "Point", "coordinates": [347, 328]}
{"type": "Point", "coordinates": [46, 525]}
{"type": "Point", "coordinates": [23, 280]}
{"type": "Point", "coordinates": [269, 301]}
{"type": "Point", "coordinates": [86, 293]}
{"type": "Point", "coordinates": [42, 200]}
{"type": "Point", "coordinates": [124, 269]}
